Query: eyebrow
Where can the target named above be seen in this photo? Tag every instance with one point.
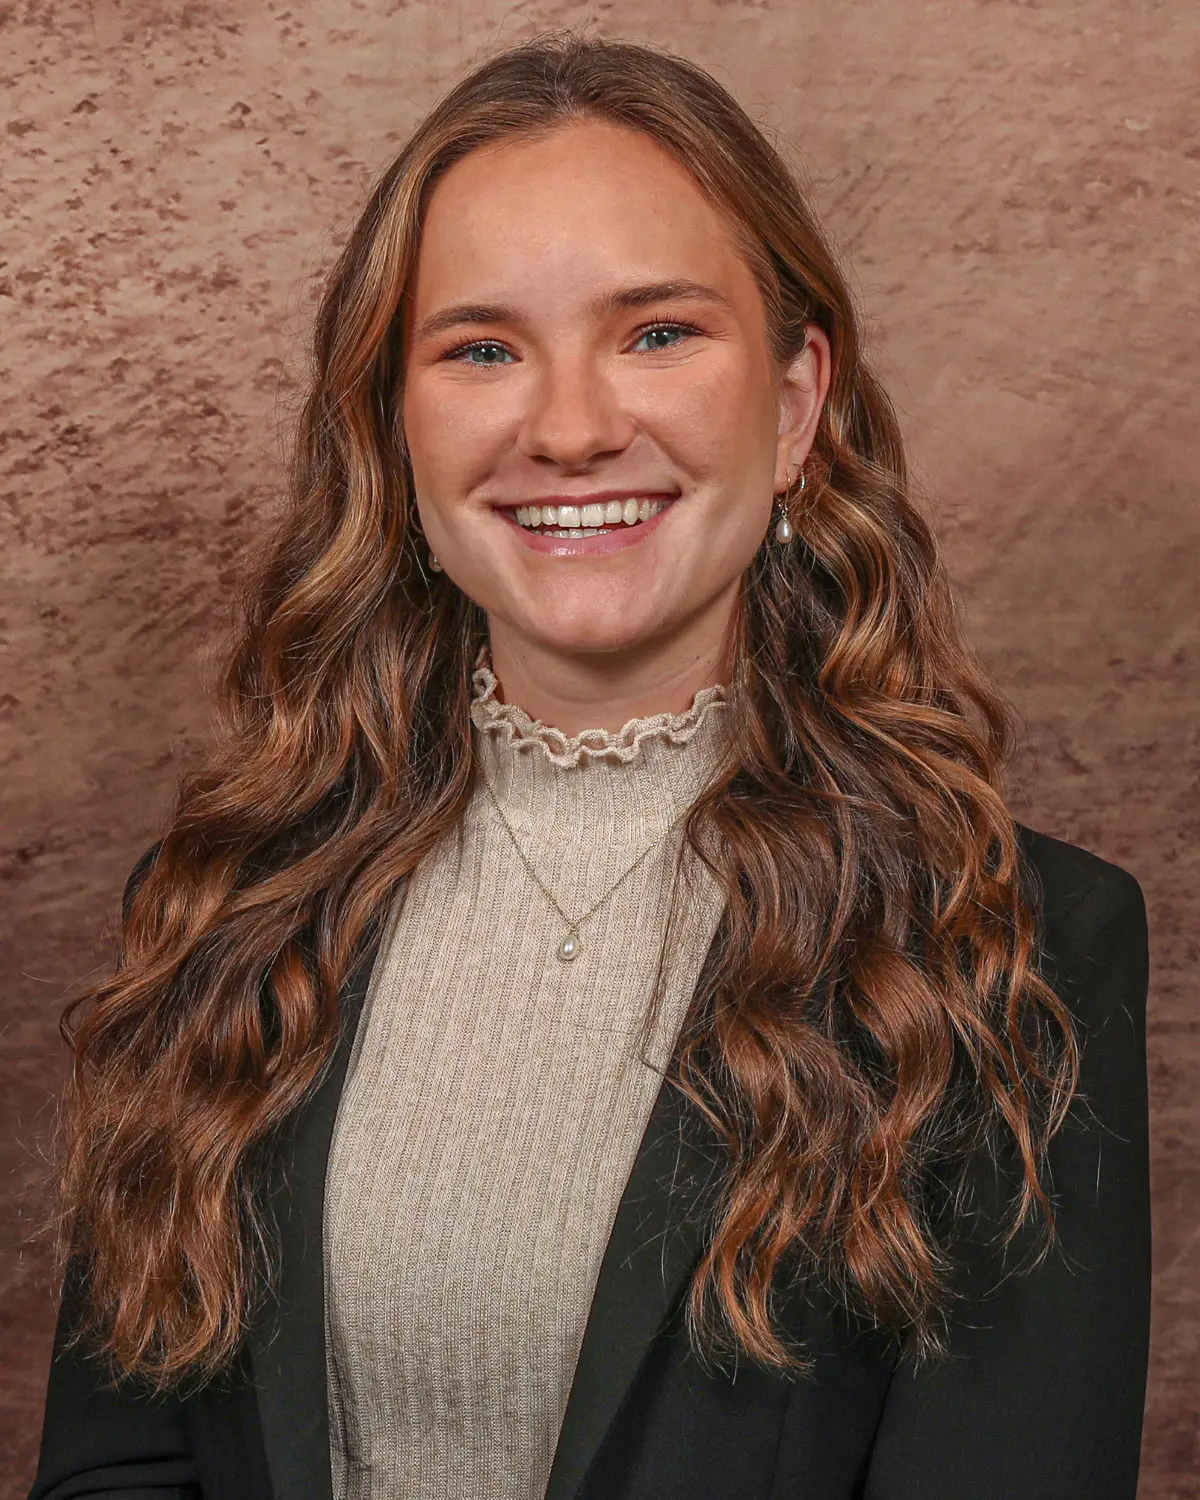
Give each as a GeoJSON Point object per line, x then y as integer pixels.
{"type": "Point", "coordinates": [624, 299]}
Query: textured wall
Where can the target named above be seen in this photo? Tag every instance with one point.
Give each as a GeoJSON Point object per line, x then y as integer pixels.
{"type": "Point", "coordinates": [1016, 187]}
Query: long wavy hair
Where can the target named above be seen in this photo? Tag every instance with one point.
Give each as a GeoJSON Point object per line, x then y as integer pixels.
{"type": "Point", "coordinates": [872, 1014]}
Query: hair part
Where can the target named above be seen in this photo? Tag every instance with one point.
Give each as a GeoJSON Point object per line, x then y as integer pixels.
{"type": "Point", "coordinates": [872, 1014]}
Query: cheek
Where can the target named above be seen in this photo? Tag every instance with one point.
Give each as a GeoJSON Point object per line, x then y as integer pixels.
{"type": "Point", "coordinates": [718, 419]}
{"type": "Point", "coordinates": [451, 435]}
{"type": "Point", "coordinates": [418, 420]}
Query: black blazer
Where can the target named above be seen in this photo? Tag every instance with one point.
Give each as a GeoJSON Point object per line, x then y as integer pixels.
{"type": "Point", "coordinates": [1040, 1399]}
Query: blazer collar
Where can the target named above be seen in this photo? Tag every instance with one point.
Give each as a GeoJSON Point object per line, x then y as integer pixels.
{"type": "Point", "coordinates": [654, 1246]}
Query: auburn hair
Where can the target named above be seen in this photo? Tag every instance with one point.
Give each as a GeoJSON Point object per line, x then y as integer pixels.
{"type": "Point", "coordinates": [872, 1013]}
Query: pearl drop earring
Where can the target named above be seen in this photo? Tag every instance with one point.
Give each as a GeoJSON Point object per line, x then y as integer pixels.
{"type": "Point", "coordinates": [434, 565]}
{"type": "Point", "coordinates": [784, 530]}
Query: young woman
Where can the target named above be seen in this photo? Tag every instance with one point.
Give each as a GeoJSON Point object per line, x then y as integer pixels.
{"type": "Point", "coordinates": [592, 1028]}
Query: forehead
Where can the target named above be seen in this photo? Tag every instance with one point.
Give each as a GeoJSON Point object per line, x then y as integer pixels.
{"type": "Point", "coordinates": [589, 201]}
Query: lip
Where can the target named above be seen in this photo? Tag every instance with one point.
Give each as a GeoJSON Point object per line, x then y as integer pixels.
{"type": "Point", "coordinates": [590, 546]}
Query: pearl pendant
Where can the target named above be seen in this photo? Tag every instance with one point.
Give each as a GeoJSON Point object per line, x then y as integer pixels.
{"type": "Point", "coordinates": [570, 947]}
{"type": "Point", "coordinates": [783, 530]}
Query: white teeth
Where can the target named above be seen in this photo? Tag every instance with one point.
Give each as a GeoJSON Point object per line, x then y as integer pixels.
{"type": "Point", "coordinates": [589, 519]}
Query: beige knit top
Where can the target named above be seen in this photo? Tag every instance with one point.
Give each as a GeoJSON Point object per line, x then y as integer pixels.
{"type": "Point", "coordinates": [495, 1101]}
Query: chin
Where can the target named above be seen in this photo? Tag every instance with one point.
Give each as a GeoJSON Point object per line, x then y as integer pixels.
{"type": "Point", "coordinates": [589, 635]}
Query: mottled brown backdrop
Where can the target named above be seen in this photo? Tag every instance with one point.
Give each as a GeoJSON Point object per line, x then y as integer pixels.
{"type": "Point", "coordinates": [1016, 187]}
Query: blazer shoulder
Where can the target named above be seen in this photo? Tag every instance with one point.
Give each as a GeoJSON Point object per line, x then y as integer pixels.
{"type": "Point", "coordinates": [1093, 947]}
{"type": "Point", "coordinates": [1069, 879]}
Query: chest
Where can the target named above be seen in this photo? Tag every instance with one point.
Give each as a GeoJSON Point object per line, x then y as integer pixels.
{"type": "Point", "coordinates": [492, 1111]}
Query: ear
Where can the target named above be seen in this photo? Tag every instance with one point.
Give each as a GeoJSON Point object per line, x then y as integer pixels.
{"type": "Point", "coordinates": [803, 389]}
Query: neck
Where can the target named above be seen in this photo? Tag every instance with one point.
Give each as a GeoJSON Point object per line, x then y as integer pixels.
{"type": "Point", "coordinates": [578, 690]}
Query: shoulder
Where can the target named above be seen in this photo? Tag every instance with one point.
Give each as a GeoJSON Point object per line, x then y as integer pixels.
{"type": "Point", "coordinates": [1094, 952]}
{"type": "Point", "coordinates": [1068, 872]}
{"type": "Point", "coordinates": [1079, 895]}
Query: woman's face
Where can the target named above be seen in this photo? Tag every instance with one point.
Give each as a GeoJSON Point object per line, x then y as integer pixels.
{"type": "Point", "coordinates": [583, 332]}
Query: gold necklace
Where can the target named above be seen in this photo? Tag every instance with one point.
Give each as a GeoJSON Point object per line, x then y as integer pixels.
{"type": "Point", "coordinates": [572, 945]}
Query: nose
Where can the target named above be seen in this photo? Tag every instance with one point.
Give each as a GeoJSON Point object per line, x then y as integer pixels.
{"type": "Point", "coordinates": [575, 416]}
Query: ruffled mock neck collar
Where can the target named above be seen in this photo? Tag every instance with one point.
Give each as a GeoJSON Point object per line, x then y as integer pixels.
{"type": "Point", "coordinates": [623, 745]}
{"type": "Point", "coordinates": [617, 786]}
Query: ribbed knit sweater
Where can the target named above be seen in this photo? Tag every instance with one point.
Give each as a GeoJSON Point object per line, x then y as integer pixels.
{"type": "Point", "coordinates": [495, 1100]}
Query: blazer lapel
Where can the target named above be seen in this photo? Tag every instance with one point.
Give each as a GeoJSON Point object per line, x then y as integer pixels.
{"type": "Point", "coordinates": [656, 1242]}
{"type": "Point", "coordinates": [287, 1349]}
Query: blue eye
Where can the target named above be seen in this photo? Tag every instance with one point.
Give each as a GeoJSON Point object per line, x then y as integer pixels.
{"type": "Point", "coordinates": [489, 349]}
{"type": "Point", "coordinates": [478, 346]}
{"type": "Point", "coordinates": [685, 329]}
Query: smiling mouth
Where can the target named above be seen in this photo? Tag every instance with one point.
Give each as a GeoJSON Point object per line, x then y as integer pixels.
{"type": "Point", "coordinates": [594, 519]}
